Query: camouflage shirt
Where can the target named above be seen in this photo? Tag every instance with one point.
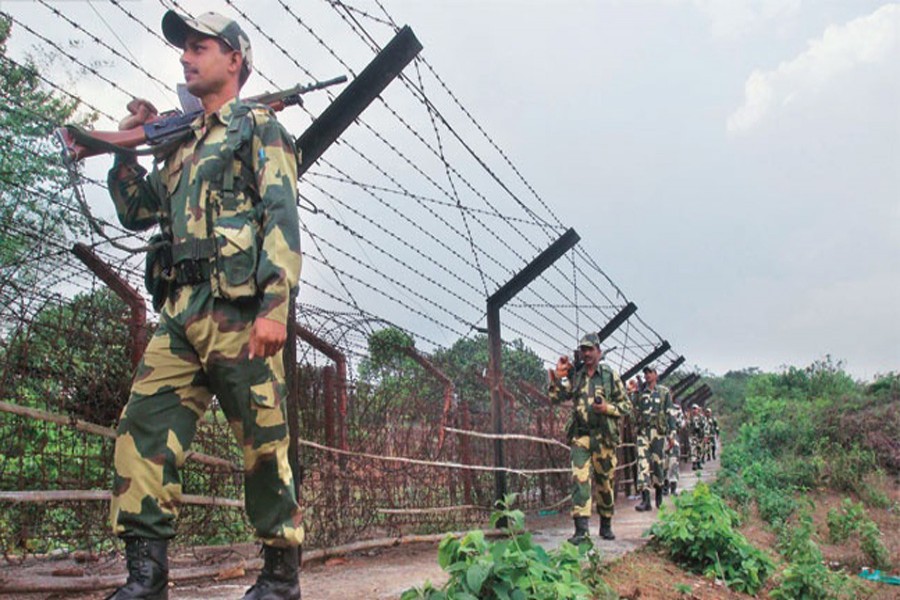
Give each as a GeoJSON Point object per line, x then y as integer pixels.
{"type": "Point", "coordinates": [583, 391]}
{"type": "Point", "coordinates": [654, 408]}
{"type": "Point", "coordinates": [185, 196]}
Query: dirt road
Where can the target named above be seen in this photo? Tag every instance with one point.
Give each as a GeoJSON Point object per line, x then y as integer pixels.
{"type": "Point", "coordinates": [383, 574]}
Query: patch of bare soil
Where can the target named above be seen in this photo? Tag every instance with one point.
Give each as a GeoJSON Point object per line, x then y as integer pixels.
{"type": "Point", "coordinates": [648, 574]}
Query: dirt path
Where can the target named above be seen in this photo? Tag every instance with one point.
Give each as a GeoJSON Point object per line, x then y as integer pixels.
{"type": "Point", "coordinates": [385, 574]}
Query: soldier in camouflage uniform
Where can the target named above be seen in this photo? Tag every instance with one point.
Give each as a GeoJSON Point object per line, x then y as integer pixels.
{"type": "Point", "coordinates": [673, 451]}
{"type": "Point", "coordinates": [225, 200]}
{"type": "Point", "coordinates": [599, 401]}
{"type": "Point", "coordinates": [698, 432]}
{"type": "Point", "coordinates": [654, 403]}
{"type": "Point", "coordinates": [713, 434]}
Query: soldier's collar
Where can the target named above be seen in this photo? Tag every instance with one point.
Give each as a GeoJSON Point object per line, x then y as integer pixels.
{"type": "Point", "coordinates": [223, 115]}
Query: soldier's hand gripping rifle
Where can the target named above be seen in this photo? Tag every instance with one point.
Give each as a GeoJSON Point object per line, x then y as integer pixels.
{"type": "Point", "coordinates": [168, 128]}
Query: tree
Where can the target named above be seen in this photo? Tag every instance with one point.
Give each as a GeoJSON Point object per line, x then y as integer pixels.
{"type": "Point", "coordinates": [35, 221]}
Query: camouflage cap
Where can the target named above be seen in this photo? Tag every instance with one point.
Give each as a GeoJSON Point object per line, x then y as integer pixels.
{"type": "Point", "coordinates": [590, 339]}
{"type": "Point", "coordinates": [176, 27]}
{"type": "Point", "coordinates": [649, 369]}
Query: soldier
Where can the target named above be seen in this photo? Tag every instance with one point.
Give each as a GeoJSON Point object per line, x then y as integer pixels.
{"type": "Point", "coordinates": [225, 200]}
{"type": "Point", "coordinates": [673, 450]}
{"type": "Point", "coordinates": [713, 434]}
{"type": "Point", "coordinates": [653, 425]}
{"type": "Point", "coordinates": [698, 431]}
{"type": "Point", "coordinates": [599, 401]}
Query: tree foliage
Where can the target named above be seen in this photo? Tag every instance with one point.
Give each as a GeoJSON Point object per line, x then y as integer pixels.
{"type": "Point", "coordinates": [32, 178]}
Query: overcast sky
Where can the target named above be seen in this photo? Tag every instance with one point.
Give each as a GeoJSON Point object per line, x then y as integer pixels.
{"type": "Point", "coordinates": [733, 165]}
{"type": "Point", "coordinates": [748, 153]}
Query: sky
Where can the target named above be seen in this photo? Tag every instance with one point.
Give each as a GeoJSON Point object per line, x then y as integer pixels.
{"type": "Point", "coordinates": [734, 165]}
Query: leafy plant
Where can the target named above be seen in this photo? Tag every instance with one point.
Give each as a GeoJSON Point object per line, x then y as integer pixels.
{"type": "Point", "coordinates": [700, 534]}
{"type": "Point", "coordinates": [775, 505]}
{"type": "Point", "coordinates": [513, 568]}
{"type": "Point", "coordinates": [844, 521]}
{"type": "Point", "coordinates": [806, 575]}
{"type": "Point", "coordinates": [871, 545]}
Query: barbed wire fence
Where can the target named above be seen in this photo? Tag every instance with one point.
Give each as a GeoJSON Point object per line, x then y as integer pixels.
{"type": "Point", "coordinates": [410, 221]}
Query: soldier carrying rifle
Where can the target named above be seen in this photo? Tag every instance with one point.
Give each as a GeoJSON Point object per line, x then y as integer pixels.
{"type": "Point", "coordinates": [224, 199]}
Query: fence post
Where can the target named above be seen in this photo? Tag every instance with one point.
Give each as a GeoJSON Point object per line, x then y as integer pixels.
{"type": "Point", "coordinates": [137, 322]}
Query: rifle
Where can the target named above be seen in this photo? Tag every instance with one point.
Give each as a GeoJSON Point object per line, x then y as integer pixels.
{"type": "Point", "coordinates": [168, 128]}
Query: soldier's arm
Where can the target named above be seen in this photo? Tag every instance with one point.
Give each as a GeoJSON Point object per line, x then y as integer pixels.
{"type": "Point", "coordinates": [134, 193]}
{"type": "Point", "coordinates": [618, 404]}
{"type": "Point", "coordinates": [275, 168]}
{"type": "Point", "coordinates": [559, 392]}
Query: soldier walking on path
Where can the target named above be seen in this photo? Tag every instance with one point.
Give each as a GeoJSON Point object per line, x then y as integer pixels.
{"type": "Point", "coordinates": [713, 426]}
{"type": "Point", "coordinates": [653, 423]}
{"type": "Point", "coordinates": [225, 201]}
{"type": "Point", "coordinates": [698, 433]}
{"type": "Point", "coordinates": [673, 449]}
{"type": "Point", "coordinates": [599, 402]}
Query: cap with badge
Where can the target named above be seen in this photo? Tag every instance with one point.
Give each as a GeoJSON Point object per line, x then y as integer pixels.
{"type": "Point", "coordinates": [176, 27]}
{"type": "Point", "coordinates": [591, 340]}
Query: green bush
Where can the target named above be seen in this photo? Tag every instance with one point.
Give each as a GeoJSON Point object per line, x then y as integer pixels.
{"type": "Point", "coordinates": [852, 518]}
{"type": "Point", "coordinates": [775, 505]}
{"type": "Point", "coordinates": [849, 467]}
{"type": "Point", "coordinates": [700, 534]}
{"type": "Point", "coordinates": [871, 545]}
{"type": "Point", "coordinates": [514, 568]}
{"type": "Point", "coordinates": [806, 575]}
{"type": "Point", "coordinates": [844, 521]}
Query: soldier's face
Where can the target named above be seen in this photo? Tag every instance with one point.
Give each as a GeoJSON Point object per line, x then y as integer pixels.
{"type": "Point", "coordinates": [651, 377]}
{"type": "Point", "coordinates": [591, 355]}
{"type": "Point", "coordinates": [208, 67]}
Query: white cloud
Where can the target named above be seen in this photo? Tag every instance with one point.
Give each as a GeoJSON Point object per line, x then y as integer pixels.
{"type": "Point", "coordinates": [869, 39]}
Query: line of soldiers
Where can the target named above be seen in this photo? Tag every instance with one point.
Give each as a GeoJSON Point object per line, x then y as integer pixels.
{"type": "Point", "coordinates": [599, 401]}
{"type": "Point", "coordinates": [704, 431]}
{"type": "Point", "coordinates": [659, 420]}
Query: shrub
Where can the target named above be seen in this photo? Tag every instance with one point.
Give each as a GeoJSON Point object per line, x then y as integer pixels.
{"type": "Point", "coordinates": [871, 545]}
{"type": "Point", "coordinates": [844, 521]}
{"type": "Point", "coordinates": [513, 568]}
{"type": "Point", "coordinates": [849, 467]}
{"type": "Point", "coordinates": [851, 518]}
{"type": "Point", "coordinates": [700, 535]}
{"type": "Point", "coordinates": [775, 505]}
{"type": "Point", "coordinates": [806, 575]}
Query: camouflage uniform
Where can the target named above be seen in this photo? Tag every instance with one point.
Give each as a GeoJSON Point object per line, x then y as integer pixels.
{"type": "Point", "coordinates": [713, 434]}
{"type": "Point", "coordinates": [593, 436]}
{"type": "Point", "coordinates": [673, 452]}
{"type": "Point", "coordinates": [653, 426]}
{"type": "Point", "coordinates": [698, 431]}
{"type": "Point", "coordinates": [226, 199]}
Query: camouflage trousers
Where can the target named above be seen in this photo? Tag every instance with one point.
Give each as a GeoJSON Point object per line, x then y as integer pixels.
{"type": "Point", "coordinates": [602, 462]}
{"type": "Point", "coordinates": [651, 456]}
{"type": "Point", "coordinates": [199, 350]}
{"type": "Point", "coordinates": [697, 448]}
{"type": "Point", "coordinates": [673, 461]}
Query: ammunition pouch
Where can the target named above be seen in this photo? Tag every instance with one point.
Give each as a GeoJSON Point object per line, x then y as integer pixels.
{"type": "Point", "coordinates": [158, 270]}
{"type": "Point", "coordinates": [192, 261]}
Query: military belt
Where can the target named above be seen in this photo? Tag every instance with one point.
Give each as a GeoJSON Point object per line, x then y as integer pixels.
{"type": "Point", "coordinates": [192, 271]}
{"type": "Point", "coordinates": [194, 250]}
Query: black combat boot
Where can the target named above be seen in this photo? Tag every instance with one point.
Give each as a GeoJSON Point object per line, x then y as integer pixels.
{"type": "Point", "coordinates": [606, 528]}
{"type": "Point", "coordinates": [279, 579]}
{"type": "Point", "coordinates": [581, 531]}
{"type": "Point", "coordinates": [645, 502]}
{"type": "Point", "coordinates": [659, 496]}
{"type": "Point", "coordinates": [673, 486]}
{"type": "Point", "coordinates": [148, 570]}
